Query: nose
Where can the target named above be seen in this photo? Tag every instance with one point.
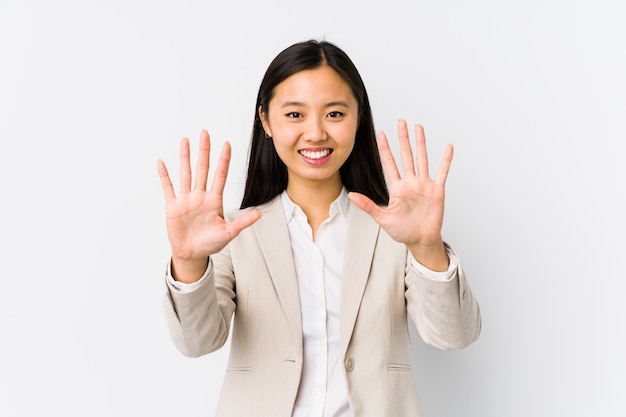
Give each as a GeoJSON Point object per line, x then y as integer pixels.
{"type": "Point", "coordinates": [314, 130]}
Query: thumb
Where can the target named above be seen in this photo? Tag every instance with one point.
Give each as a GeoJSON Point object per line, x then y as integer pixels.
{"type": "Point", "coordinates": [245, 220]}
{"type": "Point", "coordinates": [366, 204]}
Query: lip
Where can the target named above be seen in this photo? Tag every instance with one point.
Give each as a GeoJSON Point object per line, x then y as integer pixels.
{"type": "Point", "coordinates": [316, 156]}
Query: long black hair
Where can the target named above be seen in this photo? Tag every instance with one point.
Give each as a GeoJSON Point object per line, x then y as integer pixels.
{"type": "Point", "coordinates": [267, 174]}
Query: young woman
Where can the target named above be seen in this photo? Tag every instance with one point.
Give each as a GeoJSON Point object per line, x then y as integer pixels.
{"type": "Point", "coordinates": [323, 263]}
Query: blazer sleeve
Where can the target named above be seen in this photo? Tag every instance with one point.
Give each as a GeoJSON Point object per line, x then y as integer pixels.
{"type": "Point", "coordinates": [199, 321]}
{"type": "Point", "coordinates": [446, 313]}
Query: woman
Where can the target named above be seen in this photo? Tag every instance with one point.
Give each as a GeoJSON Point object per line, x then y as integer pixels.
{"type": "Point", "coordinates": [321, 266]}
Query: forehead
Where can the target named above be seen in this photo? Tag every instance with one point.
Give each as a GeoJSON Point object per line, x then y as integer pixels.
{"type": "Point", "coordinates": [321, 84]}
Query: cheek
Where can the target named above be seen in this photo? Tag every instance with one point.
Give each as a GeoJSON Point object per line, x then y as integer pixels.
{"type": "Point", "coordinates": [283, 149]}
{"type": "Point", "coordinates": [284, 133]}
{"type": "Point", "coordinates": [347, 139]}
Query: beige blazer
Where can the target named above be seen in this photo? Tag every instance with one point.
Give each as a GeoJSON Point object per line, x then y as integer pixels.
{"type": "Point", "coordinates": [253, 284]}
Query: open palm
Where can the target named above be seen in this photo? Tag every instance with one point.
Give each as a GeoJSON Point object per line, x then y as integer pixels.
{"type": "Point", "coordinates": [414, 215]}
{"type": "Point", "coordinates": [195, 218]}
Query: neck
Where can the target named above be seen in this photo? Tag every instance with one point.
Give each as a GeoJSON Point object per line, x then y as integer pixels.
{"type": "Point", "coordinates": [314, 199]}
{"type": "Point", "coordinates": [314, 196]}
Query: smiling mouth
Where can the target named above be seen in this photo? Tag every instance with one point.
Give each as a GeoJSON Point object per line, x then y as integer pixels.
{"type": "Point", "coordinates": [315, 155]}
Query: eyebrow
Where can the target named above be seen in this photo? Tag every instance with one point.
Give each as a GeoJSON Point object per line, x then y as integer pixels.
{"type": "Point", "coordinates": [301, 104]}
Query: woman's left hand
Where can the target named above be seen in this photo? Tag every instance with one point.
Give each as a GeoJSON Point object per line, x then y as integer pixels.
{"type": "Point", "coordinates": [414, 215]}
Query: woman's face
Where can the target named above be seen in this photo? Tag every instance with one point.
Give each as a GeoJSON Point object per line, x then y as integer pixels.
{"type": "Point", "coordinates": [312, 119]}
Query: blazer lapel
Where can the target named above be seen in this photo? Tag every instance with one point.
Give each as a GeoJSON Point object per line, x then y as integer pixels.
{"type": "Point", "coordinates": [361, 236]}
{"type": "Point", "coordinates": [273, 236]}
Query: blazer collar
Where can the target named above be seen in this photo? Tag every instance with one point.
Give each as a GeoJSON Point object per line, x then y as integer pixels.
{"type": "Point", "coordinates": [361, 237]}
{"type": "Point", "coordinates": [273, 237]}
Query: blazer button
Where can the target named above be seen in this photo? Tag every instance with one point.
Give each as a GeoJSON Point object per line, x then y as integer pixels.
{"type": "Point", "coordinates": [349, 364]}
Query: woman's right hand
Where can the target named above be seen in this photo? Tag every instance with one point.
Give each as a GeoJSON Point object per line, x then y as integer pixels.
{"type": "Point", "coordinates": [195, 218]}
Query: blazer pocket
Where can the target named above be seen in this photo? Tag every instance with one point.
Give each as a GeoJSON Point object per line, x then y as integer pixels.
{"type": "Point", "coordinates": [239, 370]}
{"type": "Point", "coordinates": [398, 367]}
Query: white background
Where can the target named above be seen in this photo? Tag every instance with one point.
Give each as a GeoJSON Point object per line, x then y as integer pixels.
{"type": "Point", "coordinates": [531, 93]}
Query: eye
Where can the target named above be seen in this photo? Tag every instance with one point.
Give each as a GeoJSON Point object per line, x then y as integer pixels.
{"type": "Point", "coordinates": [294, 115]}
{"type": "Point", "coordinates": [335, 114]}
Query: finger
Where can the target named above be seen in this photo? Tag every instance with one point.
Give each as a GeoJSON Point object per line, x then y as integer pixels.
{"type": "Point", "coordinates": [243, 221]}
{"type": "Point", "coordinates": [386, 157]}
{"type": "Point", "coordinates": [219, 181]}
{"type": "Point", "coordinates": [422, 155]}
{"type": "Point", "coordinates": [166, 183]}
{"type": "Point", "coordinates": [444, 168]}
{"type": "Point", "coordinates": [202, 166]}
{"type": "Point", "coordinates": [185, 167]}
{"type": "Point", "coordinates": [366, 204]}
{"type": "Point", "coordinates": [406, 154]}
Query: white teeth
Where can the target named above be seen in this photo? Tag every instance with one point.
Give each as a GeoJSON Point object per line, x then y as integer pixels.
{"type": "Point", "coordinates": [315, 154]}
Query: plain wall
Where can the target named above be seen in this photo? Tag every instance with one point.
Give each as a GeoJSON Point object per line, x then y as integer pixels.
{"type": "Point", "coordinates": [531, 93]}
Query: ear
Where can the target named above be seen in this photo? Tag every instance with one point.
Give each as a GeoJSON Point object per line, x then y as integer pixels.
{"type": "Point", "coordinates": [264, 121]}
